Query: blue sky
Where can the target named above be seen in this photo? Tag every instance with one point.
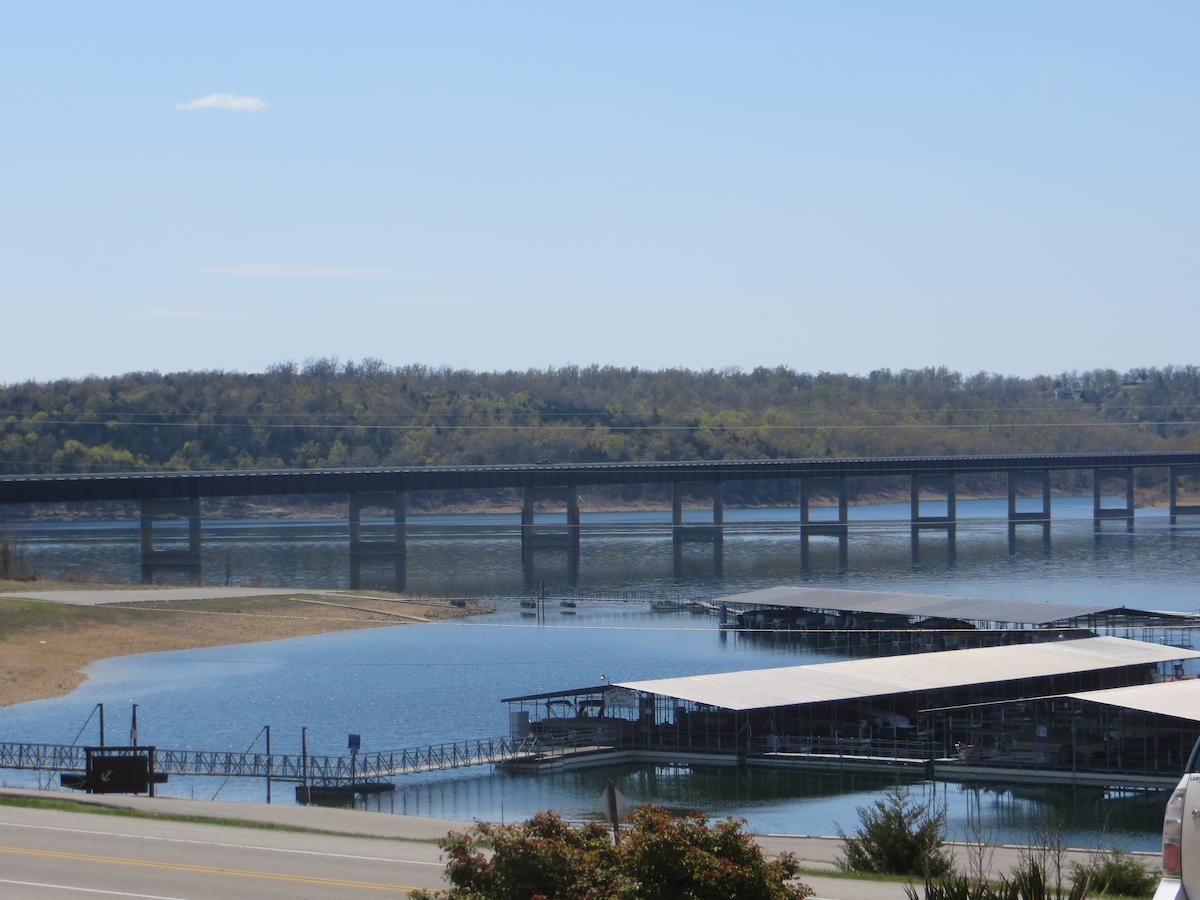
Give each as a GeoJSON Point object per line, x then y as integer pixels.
{"type": "Point", "coordinates": [1008, 187]}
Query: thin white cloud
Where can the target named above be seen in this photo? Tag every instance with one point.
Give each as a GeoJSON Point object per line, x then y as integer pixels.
{"type": "Point", "coordinates": [425, 300]}
{"type": "Point", "coordinates": [302, 270]}
{"type": "Point", "coordinates": [180, 313]}
{"type": "Point", "coordinates": [235, 102]}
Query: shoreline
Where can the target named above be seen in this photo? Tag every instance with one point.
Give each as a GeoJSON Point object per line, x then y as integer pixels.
{"type": "Point", "coordinates": [46, 644]}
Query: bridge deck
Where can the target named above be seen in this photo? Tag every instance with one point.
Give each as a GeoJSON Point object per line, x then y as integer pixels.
{"type": "Point", "coordinates": [275, 482]}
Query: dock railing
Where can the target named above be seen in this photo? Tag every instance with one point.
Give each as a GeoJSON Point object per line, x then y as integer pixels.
{"type": "Point", "coordinates": [315, 767]}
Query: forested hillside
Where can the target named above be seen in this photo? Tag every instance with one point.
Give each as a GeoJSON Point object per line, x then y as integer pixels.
{"type": "Point", "coordinates": [327, 413]}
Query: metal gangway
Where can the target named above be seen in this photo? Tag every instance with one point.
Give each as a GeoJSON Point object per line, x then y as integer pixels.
{"type": "Point", "coordinates": [301, 767]}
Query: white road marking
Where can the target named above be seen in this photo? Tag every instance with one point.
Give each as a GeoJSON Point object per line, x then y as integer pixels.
{"type": "Point", "coordinates": [83, 890]}
{"type": "Point", "coordinates": [169, 840]}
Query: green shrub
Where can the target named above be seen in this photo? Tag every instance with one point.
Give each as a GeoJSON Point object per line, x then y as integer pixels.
{"type": "Point", "coordinates": [1116, 872]}
{"type": "Point", "coordinates": [897, 836]}
{"type": "Point", "coordinates": [1027, 882]}
{"type": "Point", "coordinates": [661, 857]}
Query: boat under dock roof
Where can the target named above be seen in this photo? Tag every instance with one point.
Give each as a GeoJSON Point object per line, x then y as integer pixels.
{"type": "Point", "coordinates": [883, 676]}
{"type": "Point", "coordinates": [1008, 612]}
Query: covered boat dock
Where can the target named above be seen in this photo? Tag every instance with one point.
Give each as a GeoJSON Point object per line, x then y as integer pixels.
{"type": "Point", "coordinates": [1139, 730]}
{"type": "Point", "coordinates": [868, 708]}
{"type": "Point", "coordinates": [923, 622]}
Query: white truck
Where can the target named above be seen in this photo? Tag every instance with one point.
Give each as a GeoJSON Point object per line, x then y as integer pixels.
{"type": "Point", "coordinates": [1181, 837]}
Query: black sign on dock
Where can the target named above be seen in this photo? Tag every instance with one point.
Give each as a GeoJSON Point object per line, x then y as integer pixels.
{"type": "Point", "coordinates": [120, 770]}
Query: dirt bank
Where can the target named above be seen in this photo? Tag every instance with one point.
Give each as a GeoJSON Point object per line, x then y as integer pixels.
{"type": "Point", "coordinates": [44, 646]}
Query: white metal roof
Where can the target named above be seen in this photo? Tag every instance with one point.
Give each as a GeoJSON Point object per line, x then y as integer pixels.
{"type": "Point", "coordinates": [1180, 699]}
{"type": "Point", "coordinates": [1020, 612]}
{"type": "Point", "coordinates": [879, 676]}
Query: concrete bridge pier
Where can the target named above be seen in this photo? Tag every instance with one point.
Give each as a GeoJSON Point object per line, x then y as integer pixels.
{"type": "Point", "coordinates": [372, 554]}
{"type": "Point", "coordinates": [1100, 512]}
{"type": "Point", "coordinates": [152, 511]}
{"type": "Point", "coordinates": [710, 532]}
{"type": "Point", "coordinates": [1039, 516]}
{"type": "Point", "coordinates": [532, 538]}
{"type": "Point", "coordinates": [843, 542]}
{"type": "Point", "coordinates": [1178, 509]}
{"type": "Point", "coordinates": [838, 528]}
{"type": "Point", "coordinates": [677, 558]}
{"type": "Point", "coordinates": [920, 521]}
{"type": "Point", "coordinates": [372, 572]}
{"type": "Point", "coordinates": [533, 579]}
{"type": "Point", "coordinates": [1015, 479]}
{"type": "Point", "coordinates": [713, 532]}
{"type": "Point", "coordinates": [394, 546]}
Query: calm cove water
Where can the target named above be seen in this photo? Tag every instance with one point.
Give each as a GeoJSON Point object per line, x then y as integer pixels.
{"type": "Point", "coordinates": [411, 685]}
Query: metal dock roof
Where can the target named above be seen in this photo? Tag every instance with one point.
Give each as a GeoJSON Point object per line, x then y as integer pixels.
{"type": "Point", "coordinates": [880, 676]}
{"type": "Point", "coordinates": [1014, 612]}
{"type": "Point", "coordinates": [1180, 699]}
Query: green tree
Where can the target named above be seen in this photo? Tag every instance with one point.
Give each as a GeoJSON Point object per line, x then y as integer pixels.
{"type": "Point", "coordinates": [897, 835]}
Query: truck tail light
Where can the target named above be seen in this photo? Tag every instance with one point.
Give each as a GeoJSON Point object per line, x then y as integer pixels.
{"type": "Point", "coordinates": [1172, 857]}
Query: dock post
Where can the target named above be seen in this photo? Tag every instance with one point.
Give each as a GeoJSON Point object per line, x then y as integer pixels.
{"type": "Point", "coordinates": [304, 765]}
{"type": "Point", "coordinates": [268, 729]}
{"type": "Point", "coordinates": [153, 510]}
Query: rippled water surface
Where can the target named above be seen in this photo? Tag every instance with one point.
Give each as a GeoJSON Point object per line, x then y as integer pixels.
{"type": "Point", "coordinates": [409, 685]}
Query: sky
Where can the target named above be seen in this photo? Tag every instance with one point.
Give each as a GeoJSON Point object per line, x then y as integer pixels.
{"type": "Point", "coordinates": [1006, 187]}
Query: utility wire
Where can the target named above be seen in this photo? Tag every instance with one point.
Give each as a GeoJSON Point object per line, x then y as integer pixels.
{"type": "Point", "coordinates": [715, 426]}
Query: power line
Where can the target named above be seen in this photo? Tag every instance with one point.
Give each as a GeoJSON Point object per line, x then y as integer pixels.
{"type": "Point", "coordinates": [718, 426]}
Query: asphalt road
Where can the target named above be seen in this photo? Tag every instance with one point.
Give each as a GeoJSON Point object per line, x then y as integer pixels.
{"type": "Point", "coordinates": [50, 854]}
{"type": "Point", "coordinates": [53, 854]}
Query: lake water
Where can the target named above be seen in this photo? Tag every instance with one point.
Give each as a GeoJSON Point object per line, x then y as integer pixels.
{"type": "Point", "coordinates": [411, 685]}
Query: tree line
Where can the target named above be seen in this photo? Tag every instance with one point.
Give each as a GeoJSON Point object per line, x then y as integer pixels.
{"type": "Point", "coordinates": [328, 413]}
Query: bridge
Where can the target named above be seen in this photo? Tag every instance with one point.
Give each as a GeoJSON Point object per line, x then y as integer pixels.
{"type": "Point", "coordinates": [179, 494]}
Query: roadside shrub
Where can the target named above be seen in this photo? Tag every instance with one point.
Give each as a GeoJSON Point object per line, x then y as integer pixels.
{"type": "Point", "coordinates": [661, 857]}
{"type": "Point", "coordinates": [1116, 872]}
{"type": "Point", "coordinates": [1027, 882]}
{"type": "Point", "coordinates": [897, 836]}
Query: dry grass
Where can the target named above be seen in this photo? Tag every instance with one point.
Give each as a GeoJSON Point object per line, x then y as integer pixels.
{"type": "Point", "coordinates": [44, 646]}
